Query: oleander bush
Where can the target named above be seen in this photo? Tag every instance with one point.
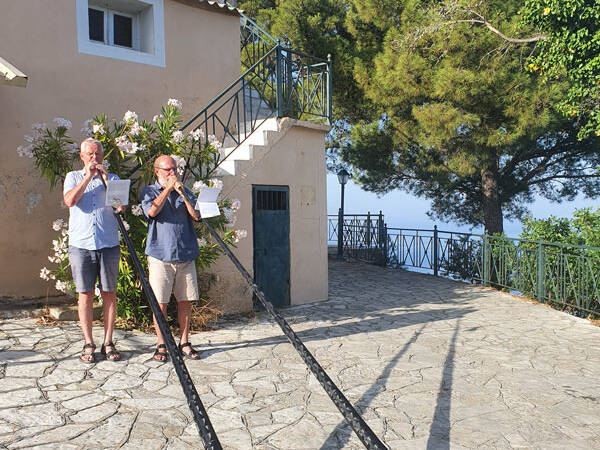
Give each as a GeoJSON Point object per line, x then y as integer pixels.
{"type": "Point", "coordinates": [131, 145]}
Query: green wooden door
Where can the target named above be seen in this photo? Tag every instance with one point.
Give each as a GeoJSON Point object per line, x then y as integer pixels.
{"type": "Point", "coordinates": [271, 223]}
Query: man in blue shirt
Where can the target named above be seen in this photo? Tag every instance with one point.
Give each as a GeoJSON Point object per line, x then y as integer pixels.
{"type": "Point", "coordinates": [172, 248]}
{"type": "Point", "coordinates": [93, 245]}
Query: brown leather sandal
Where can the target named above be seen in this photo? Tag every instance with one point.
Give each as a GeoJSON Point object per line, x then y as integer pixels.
{"type": "Point", "coordinates": [88, 357]}
{"type": "Point", "coordinates": [158, 355]}
{"type": "Point", "coordinates": [112, 355]}
{"type": "Point", "coordinates": [193, 354]}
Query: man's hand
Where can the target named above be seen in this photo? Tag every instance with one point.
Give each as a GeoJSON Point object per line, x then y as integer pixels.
{"type": "Point", "coordinates": [179, 188]}
{"type": "Point", "coordinates": [91, 169]}
{"type": "Point", "coordinates": [100, 168]}
{"type": "Point", "coordinates": [171, 182]}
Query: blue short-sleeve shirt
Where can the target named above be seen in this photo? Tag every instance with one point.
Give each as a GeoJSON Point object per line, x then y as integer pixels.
{"type": "Point", "coordinates": [171, 234]}
{"type": "Point", "coordinates": [92, 226]}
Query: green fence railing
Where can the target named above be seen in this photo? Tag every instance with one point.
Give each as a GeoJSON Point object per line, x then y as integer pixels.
{"type": "Point", "coordinates": [566, 276]}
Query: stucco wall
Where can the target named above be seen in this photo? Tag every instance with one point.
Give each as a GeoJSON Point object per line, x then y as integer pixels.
{"type": "Point", "coordinates": [294, 157]}
{"type": "Point", "coordinates": [40, 37]}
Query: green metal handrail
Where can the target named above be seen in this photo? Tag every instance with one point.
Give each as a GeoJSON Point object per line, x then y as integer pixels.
{"type": "Point", "coordinates": [276, 82]}
{"type": "Point", "coordinates": [564, 275]}
{"type": "Point", "coordinates": [255, 42]}
{"type": "Point", "coordinates": [283, 83]}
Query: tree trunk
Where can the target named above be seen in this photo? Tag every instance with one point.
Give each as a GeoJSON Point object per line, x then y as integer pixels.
{"type": "Point", "coordinates": [492, 209]}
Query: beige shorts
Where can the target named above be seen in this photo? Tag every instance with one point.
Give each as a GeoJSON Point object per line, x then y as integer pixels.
{"type": "Point", "coordinates": [167, 277]}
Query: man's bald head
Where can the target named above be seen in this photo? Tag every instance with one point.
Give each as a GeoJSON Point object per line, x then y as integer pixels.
{"type": "Point", "coordinates": [164, 167]}
{"type": "Point", "coordinates": [164, 161]}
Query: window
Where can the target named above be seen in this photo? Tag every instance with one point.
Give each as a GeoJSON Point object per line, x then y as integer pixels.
{"type": "Point", "coordinates": [113, 28]}
{"type": "Point", "coordinates": [131, 30]}
{"type": "Point", "coordinates": [96, 21]}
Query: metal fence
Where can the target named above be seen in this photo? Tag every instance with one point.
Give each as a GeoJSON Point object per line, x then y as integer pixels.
{"type": "Point", "coordinates": [566, 276]}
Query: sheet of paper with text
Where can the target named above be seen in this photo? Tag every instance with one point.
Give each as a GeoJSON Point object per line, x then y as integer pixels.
{"type": "Point", "coordinates": [207, 202]}
{"type": "Point", "coordinates": [117, 193]}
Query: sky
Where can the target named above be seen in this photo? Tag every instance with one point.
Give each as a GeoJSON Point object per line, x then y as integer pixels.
{"type": "Point", "coordinates": [402, 210]}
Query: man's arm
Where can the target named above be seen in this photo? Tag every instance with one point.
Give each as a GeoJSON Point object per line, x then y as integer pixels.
{"type": "Point", "coordinates": [158, 203]}
{"type": "Point", "coordinates": [190, 208]}
{"type": "Point", "coordinates": [73, 195]}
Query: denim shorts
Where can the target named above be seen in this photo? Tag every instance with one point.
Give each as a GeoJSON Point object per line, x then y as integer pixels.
{"type": "Point", "coordinates": [88, 265]}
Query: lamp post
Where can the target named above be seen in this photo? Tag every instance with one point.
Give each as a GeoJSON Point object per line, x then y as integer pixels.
{"type": "Point", "coordinates": [343, 177]}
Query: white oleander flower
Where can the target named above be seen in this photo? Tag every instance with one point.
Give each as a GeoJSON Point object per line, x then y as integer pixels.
{"type": "Point", "coordinates": [64, 232]}
{"type": "Point", "coordinates": [58, 224]}
{"type": "Point", "coordinates": [123, 143]}
{"type": "Point", "coordinates": [177, 137]}
{"type": "Point", "coordinates": [29, 138]}
{"type": "Point", "coordinates": [130, 115]}
{"type": "Point", "coordinates": [87, 128]}
{"type": "Point", "coordinates": [157, 117]}
{"type": "Point", "coordinates": [174, 102]}
{"type": "Point", "coordinates": [216, 183]}
{"type": "Point", "coordinates": [25, 150]}
{"type": "Point", "coordinates": [236, 204]}
{"type": "Point", "coordinates": [45, 274]}
{"type": "Point", "coordinates": [62, 122]}
{"type": "Point", "coordinates": [135, 129]}
{"type": "Point", "coordinates": [196, 135]}
{"type": "Point", "coordinates": [230, 216]}
{"type": "Point", "coordinates": [38, 127]}
{"type": "Point", "coordinates": [134, 147]}
{"type": "Point", "coordinates": [240, 234]}
{"type": "Point", "coordinates": [60, 256]}
{"type": "Point", "coordinates": [197, 186]}
{"type": "Point", "coordinates": [126, 225]}
{"type": "Point", "coordinates": [180, 163]}
{"type": "Point", "coordinates": [98, 128]}
{"type": "Point", "coordinates": [137, 210]}
{"type": "Point", "coordinates": [212, 140]}
{"type": "Point", "coordinates": [62, 286]}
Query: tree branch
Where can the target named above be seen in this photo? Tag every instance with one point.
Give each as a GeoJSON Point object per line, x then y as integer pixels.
{"type": "Point", "coordinates": [559, 176]}
{"type": "Point", "coordinates": [493, 29]}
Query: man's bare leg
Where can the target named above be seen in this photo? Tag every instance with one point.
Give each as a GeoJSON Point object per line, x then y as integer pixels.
{"type": "Point", "coordinates": [109, 305]}
{"type": "Point", "coordinates": [183, 316]}
{"type": "Point", "coordinates": [184, 309]}
{"type": "Point", "coordinates": [160, 340]}
{"type": "Point", "coordinates": [84, 309]}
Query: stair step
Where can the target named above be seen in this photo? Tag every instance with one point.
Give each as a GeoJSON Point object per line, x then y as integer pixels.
{"type": "Point", "coordinates": [230, 153]}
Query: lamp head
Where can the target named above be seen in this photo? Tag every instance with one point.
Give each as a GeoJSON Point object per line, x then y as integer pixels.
{"type": "Point", "coordinates": [343, 176]}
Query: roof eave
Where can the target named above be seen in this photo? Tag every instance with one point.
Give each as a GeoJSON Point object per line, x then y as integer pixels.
{"type": "Point", "coordinates": [10, 75]}
{"type": "Point", "coordinates": [212, 5]}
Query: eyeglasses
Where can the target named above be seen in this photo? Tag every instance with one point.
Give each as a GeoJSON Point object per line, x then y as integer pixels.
{"type": "Point", "coordinates": [167, 169]}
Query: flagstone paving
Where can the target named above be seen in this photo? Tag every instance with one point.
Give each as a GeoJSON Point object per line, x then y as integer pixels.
{"type": "Point", "coordinates": [430, 363]}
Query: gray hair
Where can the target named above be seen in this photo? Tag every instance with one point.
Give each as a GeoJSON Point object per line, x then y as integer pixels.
{"type": "Point", "coordinates": [90, 140]}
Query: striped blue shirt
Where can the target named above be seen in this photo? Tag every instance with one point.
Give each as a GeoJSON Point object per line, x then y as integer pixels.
{"type": "Point", "coordinates": [92, 225]}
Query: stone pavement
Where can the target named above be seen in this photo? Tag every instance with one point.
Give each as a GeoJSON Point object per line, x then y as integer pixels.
{"type": "Point", "coordinates": [430, 363]}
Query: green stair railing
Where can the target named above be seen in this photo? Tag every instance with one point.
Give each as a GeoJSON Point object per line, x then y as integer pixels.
{"type": "Point", "coordinates": [277, 81]}
{"type": "Point", "coordinates": [283, 83]}
{"type": "Point", "coordinates": [255, 42]}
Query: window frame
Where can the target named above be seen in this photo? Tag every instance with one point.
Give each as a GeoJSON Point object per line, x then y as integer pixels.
{"type": "Point", "coordinates": [108, 48]}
